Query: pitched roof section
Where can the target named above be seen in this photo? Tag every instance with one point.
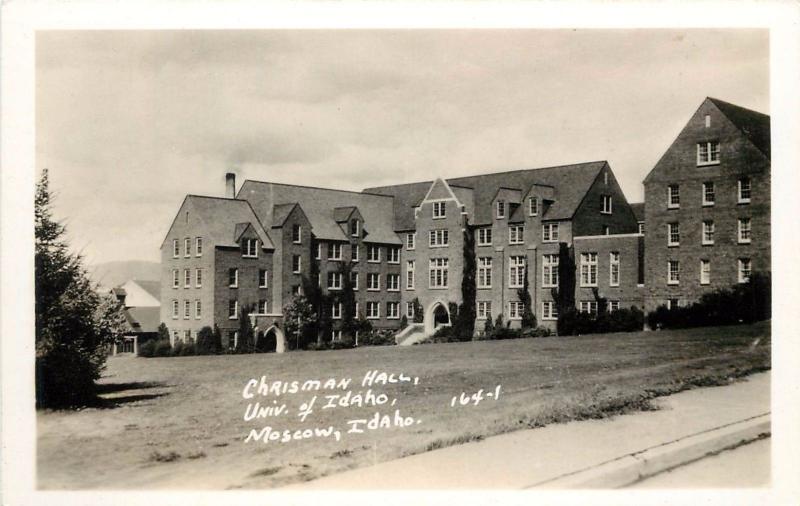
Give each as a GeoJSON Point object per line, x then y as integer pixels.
{"type": "Point", "coordinates": [571, 182]}
{"type": "Point", "coordinates": [754, 125]}
{"type": "Point", "coordinates": [341, 214]}
{"type": "Point", "coordinates": [143, 319]}
{"type": "Point", "coordinates": [151, 287]}
{"type": "Point", "coordinates": [221, 216]}
{"type": "Point", "coordinates": [318, 204]}
{"type": "Point", "coordinates": [638, 210]}
{"type": "Point", "coordinates": [280, 213]}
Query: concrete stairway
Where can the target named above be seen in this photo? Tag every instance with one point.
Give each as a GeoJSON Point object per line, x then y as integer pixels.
{"type": "Point", "coordinates": [414, 333]}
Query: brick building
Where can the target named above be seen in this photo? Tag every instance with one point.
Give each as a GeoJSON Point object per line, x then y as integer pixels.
{"type": "Point", "coordinates": [704, 225]}
{"type": "Point", "coordinates": [707, 206]}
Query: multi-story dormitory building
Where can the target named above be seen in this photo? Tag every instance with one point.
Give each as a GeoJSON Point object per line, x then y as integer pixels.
{"type": "Point", "coordinates": [704, 225]}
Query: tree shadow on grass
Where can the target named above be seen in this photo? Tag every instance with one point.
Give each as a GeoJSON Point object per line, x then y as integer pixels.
{"type": "Point", "coordinates": [128, 393]}
{"type": "Point", "coordinates": [108, 388]}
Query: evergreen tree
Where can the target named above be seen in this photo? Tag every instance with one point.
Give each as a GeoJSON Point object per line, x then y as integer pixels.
{"type": "Point", "coordinates": [528, 318]}
{"type": "Point", "coordinates": [418, 316]}
{"type": "Point", "coordinates": [488, 326]}
{"type": "Point", "coordinates": [246, 342]}
{"type": "Point", "coordinates": [464, 323]}
{"type": "Point", "coordinates": [74, 324]}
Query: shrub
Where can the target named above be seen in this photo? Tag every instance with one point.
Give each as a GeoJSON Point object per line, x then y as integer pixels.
{"type": "Point", "coordinates": [147, 348]}
{"type": "Point", "coordinates": [162, 349]}
{"type": "Point", "coordinates": [379, 338]}
{"type": "Point", "coordinates": [187, 350]}
{"type": "Point", "coordinates": [205, 344]}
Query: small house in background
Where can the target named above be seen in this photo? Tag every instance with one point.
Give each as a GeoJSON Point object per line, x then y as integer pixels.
{"type": "Point", "coordinates": [142, 313]}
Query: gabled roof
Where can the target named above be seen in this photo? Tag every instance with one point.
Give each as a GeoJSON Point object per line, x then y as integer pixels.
{"type": "Point", "coordinates": [638, 210]}
{"type": "Point", "coordinates": [280, 213]}
{"type": "Point", "coordinates": [318, 204]}
{"type": "Point", "coordinates": [143, 319]}
{"type": "Point", "coordinates": [220, 217]}
{"type": "Point", "coordinates": [151, 287]}
{"type": "Point", "coordinates": [754, 125]}
{"type": "Point", "coordinates": [341, 214]}
{"type": "Point", "coordinates": [571, 182]}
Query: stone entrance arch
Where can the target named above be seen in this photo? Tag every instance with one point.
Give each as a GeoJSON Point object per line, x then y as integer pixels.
{"type": "Point", "coordinates": [436, 315]}
{"type": "Point", "coordinates": [275, 339]}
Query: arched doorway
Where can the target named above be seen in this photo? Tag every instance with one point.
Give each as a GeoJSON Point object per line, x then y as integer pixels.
{"type": "Point", "coordinates": [271, 340]}
{"type": "Point", "coordinates": [436, 316]}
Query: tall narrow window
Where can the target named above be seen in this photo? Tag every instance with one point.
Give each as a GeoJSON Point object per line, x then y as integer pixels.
{"type": "Point", "coordinates": [355, 228]}
{"type": "Point", "coordinates": [187, 278]}
{"type": "Point", "coordinates": [485, 272]}
{"type": "Point", "coordinates": [262, 278]}
{"type": "Point", "coordinates": [549, 271]}
{"type": "Point", "coordinates": [297, 234]}
{"type": "Point", "coordinates": [334, 281]}
{"type": "Point", "coordinates": [187, 309]}
{"type": "Point", "coordinates": [174, 308]}
{"type": "Point", "coordinates": [533, 206]}
{"type": "Point", "coordinates": [438, 272]}
{"type": "Point", "coordinates": [613, 271]}
{"type": "Point", "coordinates": [198, 246]}
{"type": "Point", "coordinates": [176, 249]}
{"type": "Point", "coordinates": [393, 252]}
{"type": "Point", "coordinates": [745, 268]}
{"type": "Point", "coordinates": [198, 278]}
{"type": "Point", "coordinates": [373, 253]}
{"type": "Point", "coordinates": [673, 272]}
{"type": "Point", "coordinates": [354, 252]}
{"type": "Point", "coordinates": [318, 254]}
{"type": "Point", "coordinates": [354, 280]}
{"type": "Point", "coordinates": [411, 239]}
{"type": "Point", "coordinates": [233, 277]}
{"type": "Point", "coordinates": [233, 309]}
{"type": "Point", "coordinates": [410, 265]}
{"type": "Point", "coordinates": [673, 196]}
{"type": "Point", "coordinates": [250, 249]}
{"type": "Point", "coordinates": [176, 282]}
{"type": "Point", "coordinates": [438, 210]}
{"type": "Point", "coordinates": [589, 269]}
{"type": "Point", "coordinates": [392, 310]}
{"type": "Point", "coordinates": [673, 234]}
{"type": "Point", "coordinates": [744, 190]}
{"type": "Point", "coordinates": [393, 282]}
{"type": "Point", "coordinates": [296, 264]}
{"type": "Point", "coordinates": [262, 306]}
{"type": "Point", "coordinates": [705, 272]}
{"type": "Point", "coordinates": [198, 309]}
{"type": "Point", "coordinates": [516, 271]}
{"type": "Point", "coordinates": [708, 194]}
{"type": "Point", "coordinates": [744, 230]}
{"type": "Point", "coordinates": [187, 247]}
{"type": "Point", "coordinates": [606, 204]}
{"type": "Point", "coordinates": [484, 309]}
{"type": "Point", "coordinates": [501, 209]}
{"type": "Point", "coordinates": [708, 232]}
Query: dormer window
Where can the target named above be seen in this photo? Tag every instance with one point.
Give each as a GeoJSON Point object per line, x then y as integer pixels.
{"type": "Point", "coordinates": [501, 209]}
{"type": "Point", "coordinates": [297, 234]}
{"type": "Point", "coordinates": [438, 210]}
{"type": "Point", "coordinates": [250, 248]}
{"type": "Point", "coordinates": [533, 206]}
{"type": "Point", "coordinates": [708, 153]}
{"type": "Point", "coordinates": [355, 228]}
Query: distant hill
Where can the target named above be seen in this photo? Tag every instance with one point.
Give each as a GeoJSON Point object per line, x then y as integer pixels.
{"type": "Point", "coordinates": [111, 274]}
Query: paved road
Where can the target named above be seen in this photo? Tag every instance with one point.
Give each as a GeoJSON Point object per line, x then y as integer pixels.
{"type": "Point", "coordinates": [745, 466]}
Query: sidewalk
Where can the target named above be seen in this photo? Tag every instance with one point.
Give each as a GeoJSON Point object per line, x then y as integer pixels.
{"type": "Point", "coordinates": [594, 453]}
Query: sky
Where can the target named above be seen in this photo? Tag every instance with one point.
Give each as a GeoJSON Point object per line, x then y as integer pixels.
{"type": "Point", "coordinates": [129, 122]}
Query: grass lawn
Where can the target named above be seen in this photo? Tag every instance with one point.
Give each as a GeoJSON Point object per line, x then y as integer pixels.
{"type": "Point", "coordinates": [178, 422]}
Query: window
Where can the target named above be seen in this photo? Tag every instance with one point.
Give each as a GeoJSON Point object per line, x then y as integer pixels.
{"type": "Point", "coordinates": [334, 281]}
{"type": "Point", "coordinates": [484, 272]}
{"type": "Point", "coordinates": [296, 264]}
{"type": "Point", "coordinates": [705, 272]}
{"type": "Point", "coordinates": [262, 278]}
{"type": "Point", "coordinates": [336, 310]}
{"type": "Point", "coordinates": [437, 270]}
{"type": "Point", "coordinates": [606, 230]}
{"type": "Point", "coordinates": [354, 280]}
{"type": "Point", "coordinates": [550, 232]}
{"type": "Point", "coordinates": [355, 228]}
{"type": "Point", "coordinates": [297, 290]}
{"type": "Point", "coordinates": [613, 268]}
{"type": "Point", "coordinates": [318, 255]}
{"type": "Point", "coordinates": [175, 279]}
{"type": "Point", "coordinates": [393, 282]}
{"type": "Point", "coordinates": [515, 234]}
{"type": "Point", "coordinates": [373, 310]}
{"type": "Point", "coordinates": [744, 187]}
{"type": "Point", "coordinates": [438, 210]}
{"type": "Point", "coordinates": [641, 227]}
{"type": "Point", "coordinates": [187, 278]}
{"type": "Point", "coordinates": [297, 234]}
{"type": "Point", "coordinates": [708, 153]}
{"type": "Point", "coordinates": [198, 278]}
{"type": "Point", "coordinates": [515, 310]}
{"type": "Point", "coordinates": [673, 234]}
{"type": "Point", "coordinates": [373, 281]}
{"type": "Point", "coordinates": [334, 251]}
{"type": "Point", "coordinates": [708, 120]}
{"type": "Point", "coordinates": [187, 247]}
{"type": "Point", "coordinates": [233, 277]}
{"type": "Point", "coordinates": [438, 238]}
{"type": "Point", "coordinates": [484, 309]}
{"type": "Point", "coordinates": [174, 308]}
{"type": "Point", "coordinates": [393, 253]}
{"type": "Point", "coordinates": [673, 303]}
{"type": "Point", "coordinates": [516, 271]}
{"type": "Point", "coordinates": [250, 248]}
{"type": "Point", "coordinates": [411, 240]}
{"type": "Point", "coordinates": [392, 310]}
{"type": "Point", "coordinates": [373, 253]}
{"type": "Point", "coordinates": [589, 269]}
{"type": "Point", "coordinates": [673, 196]}
{"type": "Point", "coordinates": [613, 305]}
{"type": "Point", "coordinates": [484, 237]}
{"type": "Point", "coordinates": [198, 246]}
{"type": "Point", "coordinates": [233, 339]}
{"type": "Point", "coordinates": [409, 310]}
{"type": "Point", "coordinates": [708, 232]}
{"type": "Point", "coordinates": [549, 271]}
{"type": "Point", "coordinates": [354, 252]}
{"type": "Point", "coordinates": [589, 306]}
{"type": "Point", "coordinates": [175, 336]}
{"type": "Point", "coordinates": [198, 309]}
{"type": "Point", "coordinates": [233, 309]}
{"type": "Point", "coordinates": [673, 272]}
{"type": "Point", "coordinates": [745, 268]}
{"type": "Point", "coordinates": [187, 309]}
{"type": "Point", "coordinates": [606, 204]}
{"type": "Point", "coordinates": [176, 249]}
{"type": "Point", "coordinates": [187, 336]}
{"type": "Point", "coordinates": [410, 266]}
{"type": "Point", "coordinates": [549, 310]}
{"type": "Point", "coordinates": [708, 194]}
{"type": "Point", "coordinates": [501, 209]}
{"type": "Point", "coordinates": [744, 230]}
{"type": "Point", "coordinates": [533, 206]}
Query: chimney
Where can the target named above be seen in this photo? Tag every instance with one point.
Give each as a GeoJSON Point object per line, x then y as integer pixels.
{"type": "Point", "coordinates": [230, 185]}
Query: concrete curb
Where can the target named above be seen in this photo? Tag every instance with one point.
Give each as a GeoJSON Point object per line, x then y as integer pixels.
{"type": "Point", "coordinates": [633, 467]}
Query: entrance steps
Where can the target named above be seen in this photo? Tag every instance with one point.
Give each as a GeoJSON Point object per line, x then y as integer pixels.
{"type": "Point", "coordinates": [414, 333]}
